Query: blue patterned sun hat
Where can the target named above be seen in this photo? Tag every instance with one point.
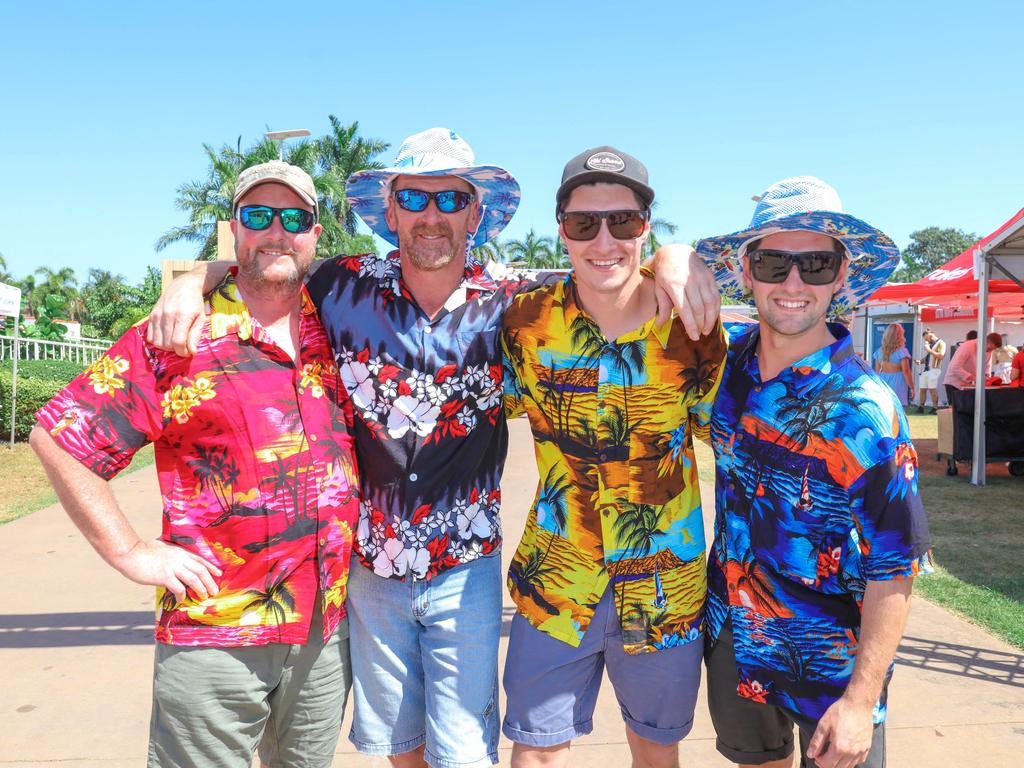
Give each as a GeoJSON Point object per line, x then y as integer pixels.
{"type": "Point", "coordinates": [436, 152]}
{"type": "Point", "coordinates": [805, 203]}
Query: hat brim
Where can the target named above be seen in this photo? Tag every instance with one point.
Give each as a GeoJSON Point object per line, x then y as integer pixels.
{"type": "Point", "coordinates": [498, 192]}
{"type": "Point", "coordinates": [873, 256]}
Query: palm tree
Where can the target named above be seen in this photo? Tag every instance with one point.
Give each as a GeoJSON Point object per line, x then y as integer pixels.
{"type": "Point", "coordinates": [62, 283]}
{"type": "Point", "coordinates": [802, 420]}
{"type": "Point", "coordinates": [493, 250]}
{"type": "Point", "coordinates": [528, 578]}
{"type": "Point", "coordinates": [659, 228]}
{"type": "Point", "coordinates": [551, 500]}
{"type": "Point", "coordinates": [276, 599]}
{"type": "Point", "coordinates": [535, 252]}
{"type": "Point", "coordinates": [627, 357]}
{"type": "Point", "coordinates": [343, 152]}
{"type": "Point", "coordinates": [636, 528]}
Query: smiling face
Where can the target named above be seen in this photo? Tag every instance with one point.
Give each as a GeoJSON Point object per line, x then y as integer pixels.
{"type": "Point", "coordinates": [430, 239]}
{"type": "Point", "coordinates": [793, 308]}
{"type": "Point", "coordinates": [605, 265]}
{"type": "Point", "coordinates": [273, 258]}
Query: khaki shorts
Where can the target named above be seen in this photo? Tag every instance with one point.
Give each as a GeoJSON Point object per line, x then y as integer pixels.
{"type": "Point", "coordinates": [216, 706]}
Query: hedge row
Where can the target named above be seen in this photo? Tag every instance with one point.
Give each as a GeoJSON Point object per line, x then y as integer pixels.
{"type": "Point", "coordinates": [38, 381]}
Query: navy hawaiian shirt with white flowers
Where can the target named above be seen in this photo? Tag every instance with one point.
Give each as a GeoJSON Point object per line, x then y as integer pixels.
{"type": "Point", "coordinates": [429, 429]}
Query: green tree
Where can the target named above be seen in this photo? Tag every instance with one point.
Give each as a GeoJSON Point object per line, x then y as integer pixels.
{"type": "Point", "coordinates": [493, 250]}
{"type": "Point", "coordinates": [329, 160]}
{"type": "Point", "coordinates": [929, 249]}
{"type": "Point", "coordinates": [536, 252]}
{"type": "Point", "coordinates": [62, 283]}
{"type": "Point", "coordinates": [660, 228]}
{"type": "Point", "coordinates": [342, 151]}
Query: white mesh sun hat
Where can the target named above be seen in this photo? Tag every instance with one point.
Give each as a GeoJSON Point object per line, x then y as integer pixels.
{"type": "Point", "coordinates": [805, 203]}
{"type": "Point", "coordinates": [436, 152]}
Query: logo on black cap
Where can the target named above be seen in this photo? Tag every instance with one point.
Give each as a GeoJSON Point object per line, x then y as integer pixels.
{"type": "Point", "coordinates": [605, 161]}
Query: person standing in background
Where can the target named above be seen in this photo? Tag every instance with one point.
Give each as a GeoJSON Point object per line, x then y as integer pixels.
{"type": "Point", "coordinates": [892, 363]}
{"type": "Point", "coordinates": [934, 352]}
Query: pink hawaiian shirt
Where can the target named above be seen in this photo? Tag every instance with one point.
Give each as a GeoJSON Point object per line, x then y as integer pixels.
{"type": "Point", "coordinates": [255, 464]}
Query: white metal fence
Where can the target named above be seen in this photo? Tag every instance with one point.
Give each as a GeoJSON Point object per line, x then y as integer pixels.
{"type": "Point", "coordinates": [41, 349]}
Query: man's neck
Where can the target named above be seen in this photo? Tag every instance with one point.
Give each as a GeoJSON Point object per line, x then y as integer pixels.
{"type": "Point", "coordinates": [432, 288]}
{"type": "Point", "coordinates": [277, 310]}
{"type": "Point", "coordinates": [777, 351]}
{"type": "Point", "coordinates": [620, 312]}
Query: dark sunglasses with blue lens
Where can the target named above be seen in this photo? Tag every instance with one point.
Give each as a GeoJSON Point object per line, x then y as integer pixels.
{"type": "Point", "coordinates": [416, 200]}
{"type": "Point", "coordinates": [259, 217]}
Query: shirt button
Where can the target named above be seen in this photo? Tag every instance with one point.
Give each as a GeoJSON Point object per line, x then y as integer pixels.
{"type": "Point", "coordinates": [428, 329]}
{"type": "Point", "coordinates": [413, 477]}
{"type": "Point", "coordinates": [607, 512]}
{"type": "Point", "coordinates": [603, 456]}
{"type": "Point", "coordinates": [312, 438]}
{"type": "Point", "coordinates": [323, 542]}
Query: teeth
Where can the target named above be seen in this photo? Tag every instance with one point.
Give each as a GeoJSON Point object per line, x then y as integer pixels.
{"type": "Point", "coordinates": [608, 263]}
{"type": "Point", "coordinates": [791, 304]}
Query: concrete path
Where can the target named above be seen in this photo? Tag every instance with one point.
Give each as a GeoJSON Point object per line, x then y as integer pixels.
{"type": "Point", "coordinates": [76, 659]}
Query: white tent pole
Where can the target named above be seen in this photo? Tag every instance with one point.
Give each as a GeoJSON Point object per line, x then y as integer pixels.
{"type": "Point", "coordinates": [978, 467]}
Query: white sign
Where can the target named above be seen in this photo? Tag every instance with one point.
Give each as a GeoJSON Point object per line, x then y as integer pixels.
{"type": "Point", "coordinates": [10, 300]}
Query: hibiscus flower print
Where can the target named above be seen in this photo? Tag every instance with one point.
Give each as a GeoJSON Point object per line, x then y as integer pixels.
{"type": "Point", "coordinates": [474, 522]}
{"type": "Point", "coordinates": [359, 383]}
{"type": "Point", "coordinates": [408, 413]}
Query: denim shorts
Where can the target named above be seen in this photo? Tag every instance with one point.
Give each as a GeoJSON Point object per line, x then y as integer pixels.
{"type": "Point", "coordinates": [425, 663]}
{"type": "Point", "coordinates": [552, 687]}
{"type": "Point", "coordinates": [215, 706]}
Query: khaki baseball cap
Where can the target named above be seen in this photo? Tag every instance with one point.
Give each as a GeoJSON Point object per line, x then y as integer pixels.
{"type": "Point", "coordinates": [277, 172]}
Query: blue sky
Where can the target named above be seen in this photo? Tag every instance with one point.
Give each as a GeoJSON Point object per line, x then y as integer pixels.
{"type": "Point", "coordinates": [913, 110]}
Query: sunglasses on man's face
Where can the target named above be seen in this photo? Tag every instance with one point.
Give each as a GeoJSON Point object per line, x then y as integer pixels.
{"type": "Point", "coordinates": [584, 225]}
{"type": "Point", "coordinates": [260, 217]}
{"type": "Point", "coordinates": [447, 200]}
{"type": "Point", "coordinates": [815, 267]}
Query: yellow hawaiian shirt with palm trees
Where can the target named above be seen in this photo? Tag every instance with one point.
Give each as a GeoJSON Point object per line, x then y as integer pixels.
{"type": "Point", "coordinates": [618, 504]}
{"type": "Point", "coordinates": [255, 464]}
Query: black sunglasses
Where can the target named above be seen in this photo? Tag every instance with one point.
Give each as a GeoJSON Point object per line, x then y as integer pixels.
{"type": "Point", "coordinates": [260, 217]}
{"type": "Point", "coordinates": [416, 200]}
{"type": "Point", "coordinates": [584, 225]}
{"type": "Point", "coordinates": [816, 267]}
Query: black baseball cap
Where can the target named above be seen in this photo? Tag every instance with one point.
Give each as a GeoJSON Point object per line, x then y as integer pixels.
{"type": "Point", "coordinates": [606, 164]}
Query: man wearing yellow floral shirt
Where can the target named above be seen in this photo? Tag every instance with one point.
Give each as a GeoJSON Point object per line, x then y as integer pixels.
{"type": "Point", "coordinates": [610, 570]}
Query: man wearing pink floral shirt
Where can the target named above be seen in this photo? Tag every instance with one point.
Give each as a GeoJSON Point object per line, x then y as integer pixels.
{"type": "Point", "coordinates": [260, 497]}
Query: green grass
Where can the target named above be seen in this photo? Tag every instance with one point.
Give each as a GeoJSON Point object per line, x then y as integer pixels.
{"type": "Point", "coordinates": [977, 540]}
{"type": "Point", "coordinates": [25, 488]}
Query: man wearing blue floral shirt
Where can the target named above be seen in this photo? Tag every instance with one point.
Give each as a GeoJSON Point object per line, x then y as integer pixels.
{"type": "Point", "coordinates": [819, 528]}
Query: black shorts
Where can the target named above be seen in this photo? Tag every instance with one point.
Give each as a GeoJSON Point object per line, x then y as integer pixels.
{"type": "Point", "coordinates": [753, 733]}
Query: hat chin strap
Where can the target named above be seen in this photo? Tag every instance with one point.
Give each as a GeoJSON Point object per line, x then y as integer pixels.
{"type": "Point", "coordinates": [471, 236]}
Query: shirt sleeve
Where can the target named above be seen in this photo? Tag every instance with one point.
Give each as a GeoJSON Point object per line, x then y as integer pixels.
{"type": "Point", "coordinates": [110, 410]}
{"type": "Point", "coordinates": [512, 358]}
{"type": "Point", "coordinates": [711, 359]}
{"type": "Point", "coordinates": [889, 517]}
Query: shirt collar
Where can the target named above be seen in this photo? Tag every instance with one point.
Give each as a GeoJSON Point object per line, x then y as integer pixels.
{"type": "Point", "coordinates": [229, 314]}
{"type": "Point", "coordinates": [807, 374]}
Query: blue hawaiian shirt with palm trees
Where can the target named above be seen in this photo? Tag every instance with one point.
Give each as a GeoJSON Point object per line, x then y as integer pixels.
{"type": "Point", "coordinates": [816, 494]}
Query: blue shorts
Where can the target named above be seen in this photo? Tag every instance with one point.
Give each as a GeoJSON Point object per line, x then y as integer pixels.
{"type": "Point", "coordinates": [425, 663]}
{"type": "Point", "coordinates": [552, 687]}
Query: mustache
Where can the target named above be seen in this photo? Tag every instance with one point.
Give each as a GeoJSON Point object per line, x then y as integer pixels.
{"type": "Point", "coordinates": [439, 229]}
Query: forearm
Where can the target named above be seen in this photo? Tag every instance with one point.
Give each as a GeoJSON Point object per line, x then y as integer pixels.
{"type": "Point", "coordinates": [210, 273]}
{"type": "Point", "coordinates": [87, 499]}
{"type": "Point", "coordinates": [884, 614]}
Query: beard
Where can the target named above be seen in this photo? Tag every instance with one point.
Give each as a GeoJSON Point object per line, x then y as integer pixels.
{"type": "Point", "coordinates": [280, 278]}
{"type": "Point", "coordinates": [434, 255]}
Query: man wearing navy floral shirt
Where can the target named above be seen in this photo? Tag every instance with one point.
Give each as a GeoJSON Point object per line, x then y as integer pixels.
{"type": "Point", "coordinates": [819, 528]}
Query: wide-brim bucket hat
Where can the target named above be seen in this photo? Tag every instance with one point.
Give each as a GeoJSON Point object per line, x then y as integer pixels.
{"type": "Point", "coordinates": [805, 203]}
{"type": "Point", "coordinates": [436, 152]}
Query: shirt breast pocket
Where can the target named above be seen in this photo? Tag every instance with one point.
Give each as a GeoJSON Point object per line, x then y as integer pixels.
{"type": "Point", "coordinates": [800, 534]}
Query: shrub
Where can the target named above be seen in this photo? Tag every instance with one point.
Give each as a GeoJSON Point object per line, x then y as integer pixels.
{"type": "Point", "coordinates": [38, 382]}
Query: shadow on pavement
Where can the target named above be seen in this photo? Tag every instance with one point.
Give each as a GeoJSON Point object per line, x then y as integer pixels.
{"type": "Point", "coordinates": [962, 660]}
{"type": "Point", "coordinates": [66, 630]}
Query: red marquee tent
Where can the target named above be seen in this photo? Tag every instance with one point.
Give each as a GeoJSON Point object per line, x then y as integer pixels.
{"type": "Point", "coordinates": [954, 282]}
